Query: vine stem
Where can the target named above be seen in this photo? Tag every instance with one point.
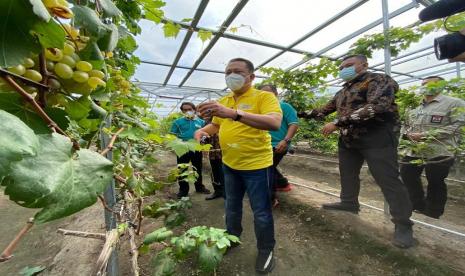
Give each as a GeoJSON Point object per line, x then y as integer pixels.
{"type": "Point", "coordinates": [44, 73]}
{"type": "Point", "coordinates": [105, 205]}
{"type": "Point", "coordinates": [38, 109]}
{"type": "Point", "coordinates": [112, 141]}
{"type": "Point", "coordinates": [132, 240]}
{"type": "Point", "coordinates": [67, 32]}
{"type": "Point", "coordinates": [8, 252]}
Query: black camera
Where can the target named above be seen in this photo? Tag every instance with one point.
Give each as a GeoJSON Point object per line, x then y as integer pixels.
{"type": "Point", "coordinates": [450, 46]}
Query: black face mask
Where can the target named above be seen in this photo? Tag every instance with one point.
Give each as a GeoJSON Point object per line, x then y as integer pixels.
{"type": "Point", "coordinates": [449, 46]}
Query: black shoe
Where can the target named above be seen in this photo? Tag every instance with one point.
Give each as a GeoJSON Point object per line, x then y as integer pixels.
{"type": "Point", "coordinates": [215, 195]}
{"type": "Point", "coordinates": [342, 206]}
{"type": "Point", "coordinates": [403, 236]}
{"type": "Point", "coordinates": [265, 262]}
{"type": "Point", "coordinates": [203, 191]}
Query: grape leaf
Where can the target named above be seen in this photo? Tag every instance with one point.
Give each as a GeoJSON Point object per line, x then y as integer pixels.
{"type": "Point", "coordinates": [13, 103]}
{"type": "Point", "coordinates": [31, 271]}
{"type": "Point", "coordinates": [158, 235]}
{"type": "Point", "coordinates": [109, 41]}
{"type": "Point", "coordinates": [40, 10]}
{"type": "Point", "coordinates": [17, 140]}
{"type": "Point", "coordinates": [58, 179]}
{"type": "Point", "coordinates": [171, 30]}
{"type": "Point", "coordinates": [109, 8]}
{"type": "Point", "coordinates": [92, 54]}
{"type": "Point", "coordinates": [204, 35]}
{"type": "Point", "coordinates": [209, 257]}
{"type": "Point", "coordinates": [164, 264]}
{"type": "Point", "coordinates": [50, 34]}
{"type": "Point", "coordinates": [16, 43]}
{"type": "Point", "coordinates": [78, 109]}
{"type": "Point", "coordinates": [88, 19]}
{"type": "Point", "coordinates": [181, 147]}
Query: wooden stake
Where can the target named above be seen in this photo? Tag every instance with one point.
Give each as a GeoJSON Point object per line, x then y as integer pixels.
{"type": "Point", "coordinates": [82, 234]}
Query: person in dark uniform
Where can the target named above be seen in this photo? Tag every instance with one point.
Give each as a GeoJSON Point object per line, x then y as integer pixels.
{"type": "Point", "coordinates": [369, 126]}
{"type": "Point", "coordinates": [184, 129]}
{"type": "Point", "coordinates": [437, 120]}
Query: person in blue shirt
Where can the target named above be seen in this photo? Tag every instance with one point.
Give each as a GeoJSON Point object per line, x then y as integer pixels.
{"type": "Point", "coordinates": [184, 129]}
{"type": "Point", "coordinates": [281, 140]}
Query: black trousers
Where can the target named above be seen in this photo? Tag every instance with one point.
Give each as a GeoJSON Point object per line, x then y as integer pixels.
{"type": "Point", "coordinates": [217, 176]}
{"type": "Point", "coordinates": [383, 165]}
{"type": "Point", "coordinates": [194, 157]}
{"type": "Point", "coordinates": [278, 178]}
{"type": "Point", "coordinates": [436, 191]}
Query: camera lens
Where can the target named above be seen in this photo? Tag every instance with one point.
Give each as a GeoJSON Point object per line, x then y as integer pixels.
{"type": "Point", "coordinates": [449, 46]}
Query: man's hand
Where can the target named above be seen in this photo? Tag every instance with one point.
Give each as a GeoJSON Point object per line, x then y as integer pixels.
{"type": "Point", "coordinates": [415, 136]}
{"type": "Point", "coordinates": [328, 129]}
{"type": "Point", "coordinates": [281, 147]}
{"type": "Point", "coordinates": [310, 114]}
{"type": "Point", "coordinates": [213, 108]}
{"type": "Point", "coordinates": [199, 134]}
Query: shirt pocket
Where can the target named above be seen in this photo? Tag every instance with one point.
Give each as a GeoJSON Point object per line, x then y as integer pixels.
{"type": "Point", "coordinates": [437, 118]}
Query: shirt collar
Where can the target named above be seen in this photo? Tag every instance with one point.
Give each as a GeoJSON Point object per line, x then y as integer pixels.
{"type": "Point", "coordinates": [246, 93]}
{"type": "Point", "coordinates": [438, 98]}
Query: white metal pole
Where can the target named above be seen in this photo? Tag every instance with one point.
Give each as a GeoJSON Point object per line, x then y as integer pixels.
{"type": "Point", "coordinates": [387, 60]}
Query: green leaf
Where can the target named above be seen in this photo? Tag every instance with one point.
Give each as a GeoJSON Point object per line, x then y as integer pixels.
{"type": "Point", "coordinates": [59, 116]}
{"type": "Point", "coordinates": [183, 245]}
{"type": "Point", "coordinates": [50, 34]}
{"type": "Point", "coordinates": [109, 41]}
{"type": "Point", "coordinates": [171, 30]}
{"type": "Point", "coordinates": [126, 41]}
{"type": "Point", "coordinates": [164, 263]}
{"type": "Point", "coordinates": [31, 271]}
{"type": "Point", "coordinates": [88, 19]}
{"type": "Point", "coordinates": [92, 54]}
{"type": "Point", "coordinates": [109, 8]}
{"type": "Point", "coordinates": [181, 147]}
{"type": "Point", "coordinates": [14, 104]}
{"type": "Point", "coordinates": [186, 20]}
{"type": "Point", "coordinates": [16, 43]}
{"type": "Point", "coordinates": [209, 257]}
{"type": "Point", "coordinates": [158, 235]}
{"type": "Point", "coordinates": [40, 10]}
{"type": "Point", "coordinates": [17, 141]}
{"type": "Point", "coordinates": [175, 219]}
{"type": "Point", "coordinates": [78, 109]}
{"type": "Point", "coordinates": [57, 179]}
{"type": "Point", "coordinates": [133, 133]}
{"type": "Point", "coordinates": [204, 35]}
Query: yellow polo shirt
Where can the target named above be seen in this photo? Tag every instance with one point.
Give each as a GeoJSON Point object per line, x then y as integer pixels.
{"type": "Point", "coordinates": [245, 147]}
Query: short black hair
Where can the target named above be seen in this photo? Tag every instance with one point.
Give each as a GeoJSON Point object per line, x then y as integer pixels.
{"type": "Point", "coordinates": [247, 62]}
{"type": "Point", "coordinates": [433, 77]}
{"type": "Point", "coordinates": [187, 103]}
{"type": "Point", "coordinates": [272, 86]}
{"type": "Point", "coordinates": [358, 56]}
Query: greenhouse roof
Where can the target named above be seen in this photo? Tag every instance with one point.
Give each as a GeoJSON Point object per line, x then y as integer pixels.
{"type": "Point", "coordinates": [271, 34]}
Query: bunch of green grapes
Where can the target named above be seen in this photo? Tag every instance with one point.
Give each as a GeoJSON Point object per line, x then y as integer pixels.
{"type": "Point", "coordinates": [67, 70]}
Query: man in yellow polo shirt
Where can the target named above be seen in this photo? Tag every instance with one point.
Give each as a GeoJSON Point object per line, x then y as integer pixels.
{"type": "Point", "coordinates": [243, 119]}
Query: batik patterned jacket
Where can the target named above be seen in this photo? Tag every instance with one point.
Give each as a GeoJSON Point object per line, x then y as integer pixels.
{"type": "Point", "coordinates": [366, 102]}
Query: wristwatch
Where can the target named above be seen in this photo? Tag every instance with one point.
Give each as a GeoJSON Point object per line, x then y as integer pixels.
{"type": "Point", "coordinates": [238, 115]}
{"type": "Point", "coordinates": [288, 140]}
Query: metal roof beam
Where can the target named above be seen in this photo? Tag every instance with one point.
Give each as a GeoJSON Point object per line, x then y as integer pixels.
{"type": "Point", "coordinates": [314, 31]}
{"type": "Point", "coordinates": [187, 67]}
{"type": "Point", "coordinates": [237, 9]}
{"type": "Point", "coordinates": [198, 14]}
{"type": "Point", "coordinates": [404, 81]}
{"type": "Point", "coordinates": [368, 27]}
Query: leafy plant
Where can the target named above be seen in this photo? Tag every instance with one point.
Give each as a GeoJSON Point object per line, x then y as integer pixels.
{"type": "Point", "coordinates": [208, 243]}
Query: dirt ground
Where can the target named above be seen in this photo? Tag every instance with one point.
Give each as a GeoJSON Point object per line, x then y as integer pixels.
{"type": "Point", "coordinates": [310, 241]}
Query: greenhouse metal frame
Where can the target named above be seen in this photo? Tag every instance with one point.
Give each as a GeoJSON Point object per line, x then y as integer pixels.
{"type": "Point", "coordinates": [162, 94]}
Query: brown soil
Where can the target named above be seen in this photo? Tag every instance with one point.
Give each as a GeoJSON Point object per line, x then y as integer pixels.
{"type": "Point", "coordinates": [310, 241]}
